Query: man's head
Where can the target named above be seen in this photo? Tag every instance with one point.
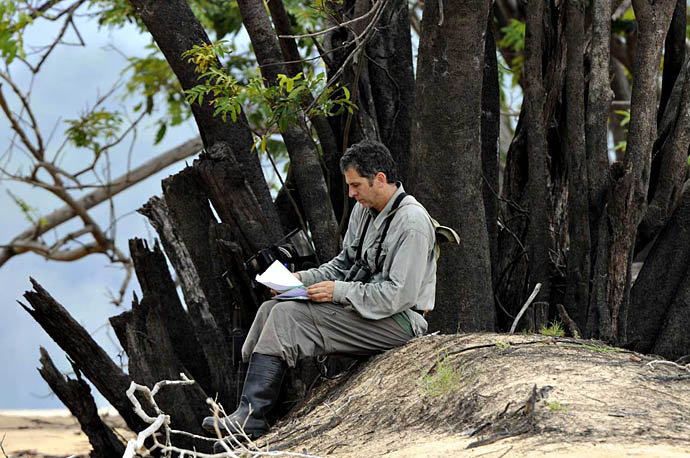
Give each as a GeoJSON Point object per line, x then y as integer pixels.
{"type": "Point", "coordinates": [370, 173]}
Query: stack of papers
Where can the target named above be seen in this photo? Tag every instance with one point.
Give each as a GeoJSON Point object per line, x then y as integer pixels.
{"type": "Point", "coordinates": [277, 277]}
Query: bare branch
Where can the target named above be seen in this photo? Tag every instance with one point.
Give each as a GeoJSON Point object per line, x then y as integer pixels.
{"type": "Point", "coordinates": [94, 198]}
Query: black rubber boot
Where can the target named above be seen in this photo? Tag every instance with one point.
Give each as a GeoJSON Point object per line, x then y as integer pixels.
{"type": "Point", "coordinates": [260, 392]}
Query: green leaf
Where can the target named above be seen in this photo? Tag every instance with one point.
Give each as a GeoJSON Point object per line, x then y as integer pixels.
{"type": "Point", "coordinates": [161, 133]}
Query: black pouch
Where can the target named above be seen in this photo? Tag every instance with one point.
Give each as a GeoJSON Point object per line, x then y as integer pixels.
{"type": "Point", "coordinates": [360, 271]}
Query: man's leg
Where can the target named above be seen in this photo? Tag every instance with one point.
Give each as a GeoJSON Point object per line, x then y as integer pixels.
{"type": "Point", "coordinates": [296, 330]}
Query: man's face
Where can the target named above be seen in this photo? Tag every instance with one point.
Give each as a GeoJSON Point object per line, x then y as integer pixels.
{"type": "Point", "coordinates": [360, 189]}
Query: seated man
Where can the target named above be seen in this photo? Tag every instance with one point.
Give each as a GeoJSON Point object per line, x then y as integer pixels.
{"type": "Point", "coordinates": [362, 301]}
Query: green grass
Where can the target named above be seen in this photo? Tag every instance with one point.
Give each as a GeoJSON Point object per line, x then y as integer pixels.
{"type": "Point", "coordinates": [556, 406]}
{"type": "Point", "coordinates": [554, 329]}
{"type": "Point", "coordinates": [600, 349]}
{"type": "Point", "coordinates": [446, 378]}
{"type": "Point", "coordinates": [501, 345]}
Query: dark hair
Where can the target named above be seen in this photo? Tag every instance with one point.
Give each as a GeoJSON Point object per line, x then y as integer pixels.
{"type": "Point", "coordinates": [368, 158]}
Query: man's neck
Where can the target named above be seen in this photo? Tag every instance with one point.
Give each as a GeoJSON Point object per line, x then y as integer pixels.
{"type": "Point", "coordinates": [388, 194]}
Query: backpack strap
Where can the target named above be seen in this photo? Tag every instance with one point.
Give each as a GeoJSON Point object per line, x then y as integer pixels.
{"type": "Point", "coordinates": [389, 218]}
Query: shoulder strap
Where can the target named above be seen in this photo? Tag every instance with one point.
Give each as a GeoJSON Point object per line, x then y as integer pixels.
{"type": "Point", "coordinates": [389, 218]}
{"type": "Point", "coordinates": [361, 238]}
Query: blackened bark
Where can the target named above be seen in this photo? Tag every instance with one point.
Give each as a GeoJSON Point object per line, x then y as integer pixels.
{"type": "Point", "coordinates": [304, 157]}
{"type": "Point", "coordinates": [628, 199]}
{"type": "Point", "coordinates": [669, 164]}
{"type": "Point", "coordinates": [152, 358]}
{"type": "Point", "coordinates": [391, 76]}
{"type": "Point", "coordinates": [577, 286]}
{"type": "Point", "coordinates": [661, 286]}
{"type": "Point", "coordinates": [491, 119]}
{"type": "Point", "coordinates": [155, 281]}
{"type": "Point", "coordinates": [233, 199]}
{"type": "Point", "coordinates": [76, 396]}
{"type": "Point", "coordinates": [537, 238]}
{"type": "Point", "coordinates": [674, 54]}
{"type": "Point", "coordinates": [598, 101]}
{"type": "Point", "coordinates": [446, 162]}
{"type": "Point", "coordinates": [176, 30]}
{"type": "Point", "coordinates": [210, 335]}
{"type": "Point", "coordinates": [193, 221]}
{"type": "Point", "coordinates": [330, 149]}
{"type": "Point", "coordinates": [92, 360]}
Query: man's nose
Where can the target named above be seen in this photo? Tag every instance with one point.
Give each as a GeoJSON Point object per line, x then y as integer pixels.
{"type": "Point", "coordinates": [352, 192]}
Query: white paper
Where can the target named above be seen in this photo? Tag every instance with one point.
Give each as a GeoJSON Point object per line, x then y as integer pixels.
{"type": "Point", "coordinates": [279, 278]}
{"type": "Point", "coordinates": [294, 293]}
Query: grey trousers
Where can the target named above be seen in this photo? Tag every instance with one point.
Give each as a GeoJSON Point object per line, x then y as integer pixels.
{"type": "Point", "coordinates": [293, 330]}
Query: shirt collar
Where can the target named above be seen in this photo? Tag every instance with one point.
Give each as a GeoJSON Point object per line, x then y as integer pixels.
{"type": "Point", "coordinates": [380, 217]}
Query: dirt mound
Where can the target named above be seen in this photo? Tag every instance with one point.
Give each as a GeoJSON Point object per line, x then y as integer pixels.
{"type": "Point", "coordinates": [475, 394]}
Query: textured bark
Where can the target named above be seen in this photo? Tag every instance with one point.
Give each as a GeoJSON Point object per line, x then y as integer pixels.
{"type": "Point", "coordinates": [176, 30]}
{"type": "Point", "coordinates": [156, 282]}
{"type": "Point", "coordinates": [193, 221]}
{"type": "Point", "coordinates": [628, 199]}
{"type": "Point", "coordinates": [658, 316]}
{"type": "Point", "coordinates": [330, 150]}
{"type": "Point", "coordinates": [233, 199]}
{"type": "Point", "coordinates": [304, 158]}
{"type": "Point", "coordinates": [669, 164]}
{"type": "Point", "coordinates": [76, 396]}
{"type": "Point", "coordinates": [577, 286]}
{"type": "Point", "coordinates": [674, 54]}
{"type": "Point", "coordinates": [153, 358]}
{"type": "Point", "coordinates": [446, 161]}
{"type": "Point", "coordinates": [210, 335]}
{"type": "Point", "coordinates": [391, 76]}
{"type": "Point", "coordinates": [537, 237]}
{"type": "Point", "coordinates": [598, 101]}
{"type": "Point", "coordinates": [491, 118]}
{"type": "Point", "coordinates": [92, 360]}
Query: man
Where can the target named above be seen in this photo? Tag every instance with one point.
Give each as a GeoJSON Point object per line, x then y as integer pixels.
{"type": "Point", "coordinates": [361, 302]}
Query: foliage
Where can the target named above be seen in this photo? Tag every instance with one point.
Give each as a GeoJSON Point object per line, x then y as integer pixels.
{"type": "Point", "coordinates": [93, 128]}
{"type": "Point", "coordinates": [12, 25]}
{"type": "Point", "coordinates": [621, 145]}
{"type": "Point", "coordinates": [555, 329]}
{"type": "Point", "coordinates": [282, 105]}
{"type": "Point", "coordinates": [446, 378]}
{"type": "Point", "coordinates": [514, 40]}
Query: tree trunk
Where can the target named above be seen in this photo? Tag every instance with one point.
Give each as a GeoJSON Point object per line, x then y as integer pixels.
{"type": "Point", "coordinates": [628, 199]}
{"type": "Point", "coordinates": [92, 360]}
{"type": "Point", "coordinates": [446, 161]}
{"type": "Point", "coordinates": [577, 286]}
{"type": "Point", "coordinates": [76, 395]}
{"type": "Point", "coordinates": [537, 232]}
{"type": "Point", "coordinates": [657, 319]}
{"type": "Point", "coordinates": [491, 119]}
{"type": "Point", "coordinates": [598, 103]}
{"type": "Point", "coordinates": [176, 30]}
{"type": "Point", "coordinates": [304, 158]}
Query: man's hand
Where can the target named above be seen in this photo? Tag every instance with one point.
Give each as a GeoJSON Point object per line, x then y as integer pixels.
{"type": "Point", "coordinates": [321, 292]}
{"type": "Point", "coordinates": [296, 274]}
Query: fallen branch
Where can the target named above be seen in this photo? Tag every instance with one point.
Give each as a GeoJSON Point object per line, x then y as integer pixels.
{"type": "Point", "coordinates": [537, 287]}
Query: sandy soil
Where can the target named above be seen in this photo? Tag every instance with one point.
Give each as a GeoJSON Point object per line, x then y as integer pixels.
{"type": "Point", "coordinates": [48, 432]}
{"type": "Point", "coordinates": [511, 396]}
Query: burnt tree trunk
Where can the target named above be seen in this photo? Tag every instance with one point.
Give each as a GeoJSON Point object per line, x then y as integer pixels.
{"type": "Point", "coordinates": [577, 286]}
{"type": "Point", "coordinates": [447, 160]}
{"type": "Point", "coordinates": [76, 395]}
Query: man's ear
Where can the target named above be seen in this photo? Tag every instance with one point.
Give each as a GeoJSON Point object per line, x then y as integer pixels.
{"type": "Point", "coordinates": [381, 177]}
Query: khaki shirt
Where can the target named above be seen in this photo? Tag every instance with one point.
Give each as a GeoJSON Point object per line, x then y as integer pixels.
{"type": "Point", "coordinates": [407, 278]}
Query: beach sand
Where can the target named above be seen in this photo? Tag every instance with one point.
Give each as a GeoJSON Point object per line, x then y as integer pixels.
{"type": "Point", "coordinates": [47, 432]}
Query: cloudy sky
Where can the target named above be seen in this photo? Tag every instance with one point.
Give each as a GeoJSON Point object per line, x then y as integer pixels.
{"type": "Point", "coordinates": [73, 78]}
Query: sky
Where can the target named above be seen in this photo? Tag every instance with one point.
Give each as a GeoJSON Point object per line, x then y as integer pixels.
{"type": "Point", "coordinates": [73, 78]}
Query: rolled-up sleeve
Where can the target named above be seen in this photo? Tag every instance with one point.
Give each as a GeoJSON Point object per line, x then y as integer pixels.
{"type": "Point", "coordinates": [400, 290]}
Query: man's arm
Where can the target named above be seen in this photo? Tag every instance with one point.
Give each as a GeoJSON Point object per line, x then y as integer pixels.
{"type": "Point", "coordinates": [336, 268]}
{"type": "Point", "coordinates": [401, 290]}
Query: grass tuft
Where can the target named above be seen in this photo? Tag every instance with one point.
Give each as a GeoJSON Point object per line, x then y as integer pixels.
{"type": "Point", "coordinates": [446, 378]}
{"type": "Point", "coordinates": [554, 329]}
